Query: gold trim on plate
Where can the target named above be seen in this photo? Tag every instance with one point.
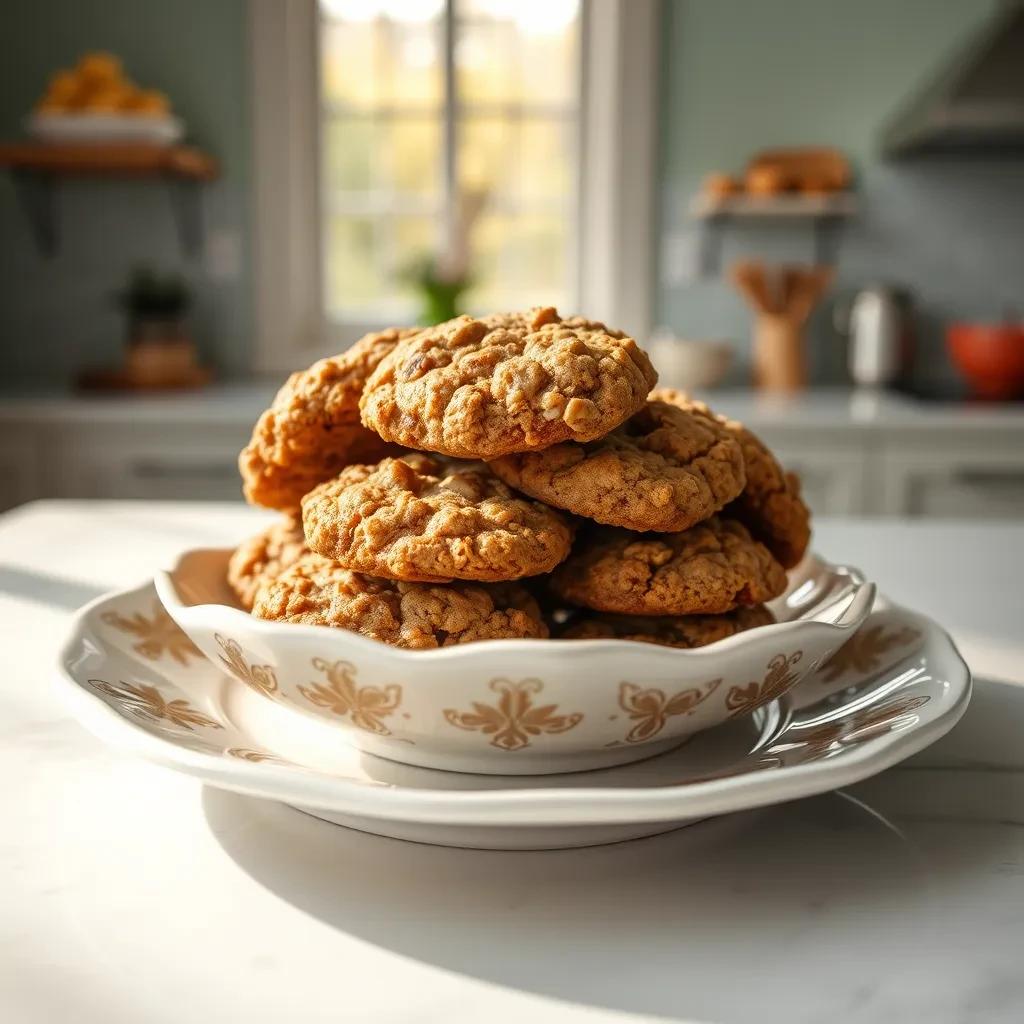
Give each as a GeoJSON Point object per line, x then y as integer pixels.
{"type": "Point", "coordinates": [156, 636]}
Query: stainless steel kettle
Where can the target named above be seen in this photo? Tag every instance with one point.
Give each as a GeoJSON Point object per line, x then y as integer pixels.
{"type": "Point", "coordinates": [878, 322]}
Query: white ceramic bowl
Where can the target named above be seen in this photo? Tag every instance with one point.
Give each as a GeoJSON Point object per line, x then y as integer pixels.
{"type": "Point", "coordinates": [86, 128]}
{"type": "Point", "coordinates": [691, 364]}
{"type": "Point", "coordinates": [517, 707]}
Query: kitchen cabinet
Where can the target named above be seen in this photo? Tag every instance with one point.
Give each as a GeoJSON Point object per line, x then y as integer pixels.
{"type": "Point", "coordinates": [983, 479]}
{"type": "Point", "coordinates": [19, 468]}
{"type": "Point", "coordinates": [152, 462]}
{"type": "Point", "coordinates": [834, 477]}
{"type": "Point", "coordinates": [856, 454]}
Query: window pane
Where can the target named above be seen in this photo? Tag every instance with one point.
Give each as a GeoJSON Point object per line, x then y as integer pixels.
{"type": "Point", "coordinates": [381, 153]}
{"type": "Point", "coordinates": [397, 160]}
{"type": "Point", "coordinates": [353, 253]}
{"type": "Point", "coordinates": [544, 158]}
{"type": "Point", "coordinates": [524, 51]}
{"type": "Point", "coordinates": [377, 53]}
{"type": "Point", "coordinates": [520, 261]}
{"type": "Point", "coordinates": [485, 154]}
{"type": "Point", "coordinates": [349, 154]}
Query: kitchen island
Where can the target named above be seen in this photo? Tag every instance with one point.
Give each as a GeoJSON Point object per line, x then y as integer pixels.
{"type": "Point", "coordinates": [130, 893]}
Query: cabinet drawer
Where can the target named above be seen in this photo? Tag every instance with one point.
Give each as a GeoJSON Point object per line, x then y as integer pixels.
{"type": "Point", "coordinates": [150, 467]}
{"type": "Point", "coordinates": [987, 483]}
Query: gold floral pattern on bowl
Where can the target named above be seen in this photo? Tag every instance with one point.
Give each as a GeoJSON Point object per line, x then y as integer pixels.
{"type": "Point", "coordinates": [261, 678]}
{"type": "Point", "coordinates": [365, 707]}
{"type": "Point", "coordinates": [514, 718]}
{"type": "Point", "coordinates": [650, 709]}
{"type": "Point", "coordinates": [777, 680]}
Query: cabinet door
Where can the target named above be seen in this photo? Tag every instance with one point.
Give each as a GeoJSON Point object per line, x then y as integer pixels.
{"type": "Point", "coordinates": [985, 480]}
{"type": "Point", "coordinates": [19, 472]}
{"type": "Point", "coordinates": [833, 475]}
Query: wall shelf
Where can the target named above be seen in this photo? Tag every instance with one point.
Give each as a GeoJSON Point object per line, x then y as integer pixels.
{"type": "Point", "coordinates": [825, 213]}
{"type": "Point", "coordinates": [37, 167]}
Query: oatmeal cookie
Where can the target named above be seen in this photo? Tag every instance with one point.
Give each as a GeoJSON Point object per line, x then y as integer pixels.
{"type": "Point", "coordinates": [264, 557]}
{"type": "Point", "coordinates": [770, 505]}
{"type": "Point", "coordinates": [311, 430]}
{"type": "Point", "coordinates": [316, 591]}
{"type": "Point", "coordinates": [711, 568]}
{"type": "Point", "coordinates": [480, 389]}
{"type": "Point", "coordinates": [421, 518]}
{"type": "Point", "coordinates": [666, 468]}
{"type": "Point", "coordinates": [685, 631]}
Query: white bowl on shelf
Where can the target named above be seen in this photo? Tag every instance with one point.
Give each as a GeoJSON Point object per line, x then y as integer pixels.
{"type": "Point", "coordinates": [96, 129]}
{"type": "Point", "coordinates": [690, 364]}
{"type": "Point", "coordinates": [514, 707]}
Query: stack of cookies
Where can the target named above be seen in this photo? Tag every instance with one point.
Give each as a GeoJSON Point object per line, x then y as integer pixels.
{"type": "Point", "coordinates": [506, 477]}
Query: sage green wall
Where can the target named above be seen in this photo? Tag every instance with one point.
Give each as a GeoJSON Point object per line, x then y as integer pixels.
{"type": "Point", "coordinates": [56, 314]}
{"type": "Point", "coordinates": [740, 75]}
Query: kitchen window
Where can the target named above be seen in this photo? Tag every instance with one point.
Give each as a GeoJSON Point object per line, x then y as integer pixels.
{"type": "Point", "coordinates": [385, 127]}
{"type": "Point", "coordinates": [440, 120]}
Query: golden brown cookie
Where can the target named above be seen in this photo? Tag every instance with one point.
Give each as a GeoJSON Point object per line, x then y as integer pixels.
{"type": "Point", "coordinates": [711, 568]}
{"type": "Point", "coordinates": [318, 592]}
{"type": "Point", "coordinates": [770, 505]}
{"type": "Point", "coordinates": [423, 518]}
{"type": "Point", "coordinates": [480, 389]}
{"type": "Point", "coordinates": [666, 468]}
{"type": "Point", "coordinates": [264, 557]}
{"type": "Point", "coordinates": [686, 631]}
{"type": "Point", "coordinates": [311, 430]}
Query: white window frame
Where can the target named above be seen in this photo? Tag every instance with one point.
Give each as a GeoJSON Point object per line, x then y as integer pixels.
{"type": "Point", "coordinates": [617, 160]}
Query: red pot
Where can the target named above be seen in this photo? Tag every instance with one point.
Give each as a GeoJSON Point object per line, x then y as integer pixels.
{"type": "Point", "coordinates": [990, 356]}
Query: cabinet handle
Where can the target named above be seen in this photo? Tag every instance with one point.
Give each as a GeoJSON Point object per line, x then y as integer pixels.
{"type": "Point", "coordinates": [990, 476]}
{"type": "Point", "coordinates": [146, 469]}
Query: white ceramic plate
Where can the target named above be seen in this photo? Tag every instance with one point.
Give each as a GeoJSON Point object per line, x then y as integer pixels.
{"type": "Point", "coordinates": [516, 707]}
{"type": "Point", "coordinates": [137, 681]}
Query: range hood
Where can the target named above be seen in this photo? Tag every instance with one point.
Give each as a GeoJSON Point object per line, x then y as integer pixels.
{"type": "Point", "coordinates": [976, 103]}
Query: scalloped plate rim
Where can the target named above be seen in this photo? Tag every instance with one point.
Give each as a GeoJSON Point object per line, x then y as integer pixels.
{"type": "Point", "coordinates": [515, 806]}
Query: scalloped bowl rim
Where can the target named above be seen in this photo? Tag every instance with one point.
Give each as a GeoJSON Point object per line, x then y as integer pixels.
{"type": "Point", "coordinates": [859, 600]}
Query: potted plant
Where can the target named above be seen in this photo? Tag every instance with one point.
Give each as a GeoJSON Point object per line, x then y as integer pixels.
{"type": "Point", "coordinates": [160, 349]}
{"type": "Point", "coordinates": [442, 280]}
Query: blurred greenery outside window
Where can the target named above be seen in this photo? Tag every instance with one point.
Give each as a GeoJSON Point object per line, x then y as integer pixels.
{"type": "Point", "coordinates": [436, 114]}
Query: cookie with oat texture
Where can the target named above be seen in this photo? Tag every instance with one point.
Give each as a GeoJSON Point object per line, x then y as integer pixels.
{"type": "Point", "coordinates": [770, 505]}
{"type": "Point", "coordinates": [480, 389]}
{"type": "Point", "coordinates": [423, 518]}
{"type": "Point", "coordinates": [711, 568]}
{"type": "Point", "coordinates": [666, 468]}
{"type": "Point", "coordinates": [316, 591]}
{"type": "Point", "coordinates": [311, 430]}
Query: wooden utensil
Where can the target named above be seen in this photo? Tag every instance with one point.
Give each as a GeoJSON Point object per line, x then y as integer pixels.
{"type": "Point", "coordinates": [782, 299]}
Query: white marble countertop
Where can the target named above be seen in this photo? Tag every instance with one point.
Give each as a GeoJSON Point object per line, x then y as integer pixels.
{"type": "Point", "coordinates": [818, 409]}
{"type": "Point", "coordinates": [129, 893]}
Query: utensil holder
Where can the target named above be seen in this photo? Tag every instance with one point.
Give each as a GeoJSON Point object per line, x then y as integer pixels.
{"type": "Point", "coordinates": [779, 363]}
